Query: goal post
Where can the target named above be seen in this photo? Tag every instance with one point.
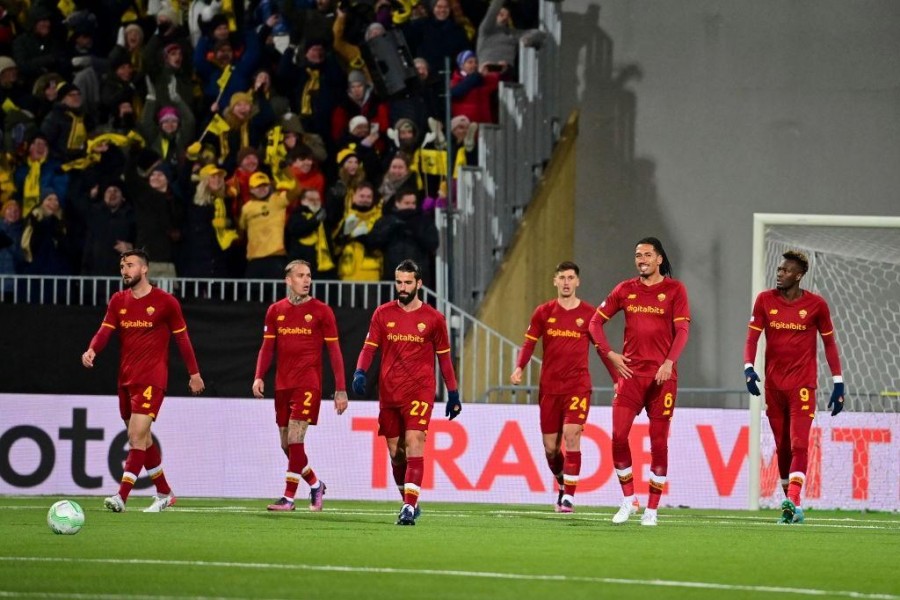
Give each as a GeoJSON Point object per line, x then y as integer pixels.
{"type": "Point", "coordinates": [855, 265]}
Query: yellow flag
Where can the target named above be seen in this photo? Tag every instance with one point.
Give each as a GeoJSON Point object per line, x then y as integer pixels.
{"type": "Point", "coordinates": [222, 81]}
{"type": "Point", "coordinates": [218, 125]}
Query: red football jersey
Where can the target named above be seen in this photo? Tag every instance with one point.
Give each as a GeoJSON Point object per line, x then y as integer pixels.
{"type": "Point", "coordinates": [409, 342]}
{"type": "Point", "coordinates": [300, 332]}
{"type": "Point", "coordinates": [567, 345]}
{"type": "Point", "coordinates": [791, 329]}
{"type": "Point", "coordinates": [144, 326]}
{"type": "Point", "coordinates": [651, 312]}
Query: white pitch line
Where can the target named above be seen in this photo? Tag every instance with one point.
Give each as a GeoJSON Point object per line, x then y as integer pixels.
{"type": "Point", "coordinates": [76, 596]}
{"type": "Point", "coordinates": [670, 518]}
{"type": "Point", "coordinates": [761, 589]}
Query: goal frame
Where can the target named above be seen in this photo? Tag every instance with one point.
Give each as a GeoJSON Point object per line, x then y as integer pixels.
{"type": "Point", "coordinates": [759, 277]}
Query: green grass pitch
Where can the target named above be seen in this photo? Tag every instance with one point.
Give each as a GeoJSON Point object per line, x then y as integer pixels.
{"type": "Point", "coordinates": [206, 548]}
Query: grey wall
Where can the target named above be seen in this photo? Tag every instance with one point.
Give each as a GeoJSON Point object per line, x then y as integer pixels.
{"type": "Point", "coordinates": [696, 114]}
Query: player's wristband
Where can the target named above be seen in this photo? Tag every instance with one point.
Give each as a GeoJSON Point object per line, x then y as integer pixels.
{"type": "Point", "coordinates": [838, 378]}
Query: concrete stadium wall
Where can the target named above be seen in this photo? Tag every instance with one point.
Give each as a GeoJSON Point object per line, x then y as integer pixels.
{"type": "Point", "coordinates": [696, 114]}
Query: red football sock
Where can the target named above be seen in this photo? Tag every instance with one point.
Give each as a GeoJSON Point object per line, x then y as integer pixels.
{"type": "Point", "coordinates": [799, 457]}
{"type": "Point", "coordinates": [153, 464]}
{"type": "Point", "coordinates": [657, 484]}
{"type": "Point", "coordinates": [571, 470]}
{"type": "Point", "coordinates": [623, 418]}
{"type": "Point", "coordinates": [415, 469]}
{"type": "Point", "coordinates": [133, 465]}
{"type": "Point", "coordinates": [297, 464]}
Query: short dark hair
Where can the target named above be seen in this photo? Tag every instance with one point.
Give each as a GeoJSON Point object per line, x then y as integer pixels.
{"type": "Point", "coordinates": [567, 265]}
{"type": "Point", "coordinates": [409, 266]}
{"type": "Point", "coordinates": [666, 267]}
{"type": "Point", "coordinates": [798, 257]}
{"type": "Point", "coordinates": [139, 252]}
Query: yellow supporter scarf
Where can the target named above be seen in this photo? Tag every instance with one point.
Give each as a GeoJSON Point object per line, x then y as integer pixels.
{"type": "Point", "coordinates": [275, 150]}
{"type": "Point", "coordinates": [93, 157]}
{"type": "Point", "coordinates": [318, 238]}
{"type": "Point", "coordinates": [224, 234]}
{"type": "Point", "coordinates": [31, 195]}
{"type": "Point", "coordinates": [323, 253]}
{"type": "Point", "coordinates": [77, 133]}
{"type": "Point", "coordinates": [309, 90]}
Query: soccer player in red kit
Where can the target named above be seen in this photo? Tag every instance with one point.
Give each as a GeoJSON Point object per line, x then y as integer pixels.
{"type": "Point", "coordinates": [409, 333]}
{"type": "Point", "coordinates": [657, 317]}
{"type": "Point", "coordinates": [296, 328]}
{"type": "Point", "coordinates": [791, 319]}
{"type": "Point", "coordinates": [565, 388]}
{"type": "Point", "coordinates": [145, 317]}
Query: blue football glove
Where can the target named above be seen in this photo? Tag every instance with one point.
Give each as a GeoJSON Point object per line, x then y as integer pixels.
{"type": "Point", "coordinates": [454, 406]}
{"type": "Point", "coordinates": [752, 378]}
{"type": "Point", "coordinates": [837, 399]}
{"type": "Point", "coordinates": [359, 382]}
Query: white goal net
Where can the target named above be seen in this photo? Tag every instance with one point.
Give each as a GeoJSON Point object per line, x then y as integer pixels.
{"type": "Point", "coordinates": [855, 266]}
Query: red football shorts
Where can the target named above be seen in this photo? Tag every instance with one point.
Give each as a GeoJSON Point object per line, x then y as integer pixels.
{"type": "Point", "coordinates": [639, 393]}
{"type": "Point", "coordinates": [141, 400]}
{"type": "Point", "coordinates": [796, 402]}
{"type": "Point", "coordinates": [394, 419]}
{"type": "Point", "coordinates": [562, 409]}
{"type": "Point", "coordinates": [297, 404]}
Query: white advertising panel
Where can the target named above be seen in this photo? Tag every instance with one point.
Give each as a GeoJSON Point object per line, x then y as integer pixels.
{"type": "Point", "coordinates": [492, 453]}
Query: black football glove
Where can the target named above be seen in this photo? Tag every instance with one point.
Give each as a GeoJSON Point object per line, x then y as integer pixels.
{"type": "Point", "coordinates": [454, 406]}
{"type": "Point", "coordinates": [359, 382]}
{"type": "Point", "coordinates": [836, 404]}
{"type": "Point", "coordinates": [752, 378]}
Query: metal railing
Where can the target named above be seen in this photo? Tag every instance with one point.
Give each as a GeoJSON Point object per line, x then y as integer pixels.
{"type": "Point", "coordinates": [491, 197]}
{"type": "Point", "coordinates": [484, 363]}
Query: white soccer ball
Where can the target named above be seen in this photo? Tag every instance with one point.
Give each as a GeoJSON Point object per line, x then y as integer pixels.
{"type": "Point", "coordinates": [65, 517]}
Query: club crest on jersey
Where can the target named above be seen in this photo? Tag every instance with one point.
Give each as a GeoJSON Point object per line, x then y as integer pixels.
{"type": "Point", "coordinates": [150, 310]}
{"type": "Point", "coordinates": [579, 321]}
{"type": "Point", "coordinates": [390, 324]}
{"type": "Point", "coordinates": [773, 311]}
{"type": "Point", "coordinates": [420, 327]}
{"type": "Point", "coordinates": [630, 297]}
{"type": "Point", "coordinates": [802, 313]}
{"type": "Point", "coordinates": [122, 311]}
{"type": "Point", "coordinates": [660, 297]}
{"type": "Point", "coordinates": [307, 318]}
{"type": "Point", "coordinates": [551, 320]}
{"type": "Point", "coordinates": [280, 318]}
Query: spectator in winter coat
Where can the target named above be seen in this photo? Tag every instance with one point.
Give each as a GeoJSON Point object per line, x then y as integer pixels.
{"type": "Point", "coordinates": [471, 89]}
{"type": "Point", "coordinates": [111, 230]}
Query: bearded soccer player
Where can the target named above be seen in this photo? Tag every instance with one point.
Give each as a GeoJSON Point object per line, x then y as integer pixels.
{"type": "Point", "coordinates": [409, 333]}
{"type": "Point", "coordinates": [295, 330]}
{"type": "Point", "coordinates": [657, 318]}
{"type": "Point", "coordinates": [791, 318]}
{"type": "Point", "coordinates": [145, 317]}
{"type": "Point", "coordinates": [565, 388]}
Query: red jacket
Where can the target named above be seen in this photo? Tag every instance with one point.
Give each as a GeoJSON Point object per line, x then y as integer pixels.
{"type": "Point", "coordinates": [471, 96]}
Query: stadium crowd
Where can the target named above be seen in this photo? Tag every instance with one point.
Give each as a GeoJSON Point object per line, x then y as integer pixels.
{"type": "Point", "coordinates": [227, 138]}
